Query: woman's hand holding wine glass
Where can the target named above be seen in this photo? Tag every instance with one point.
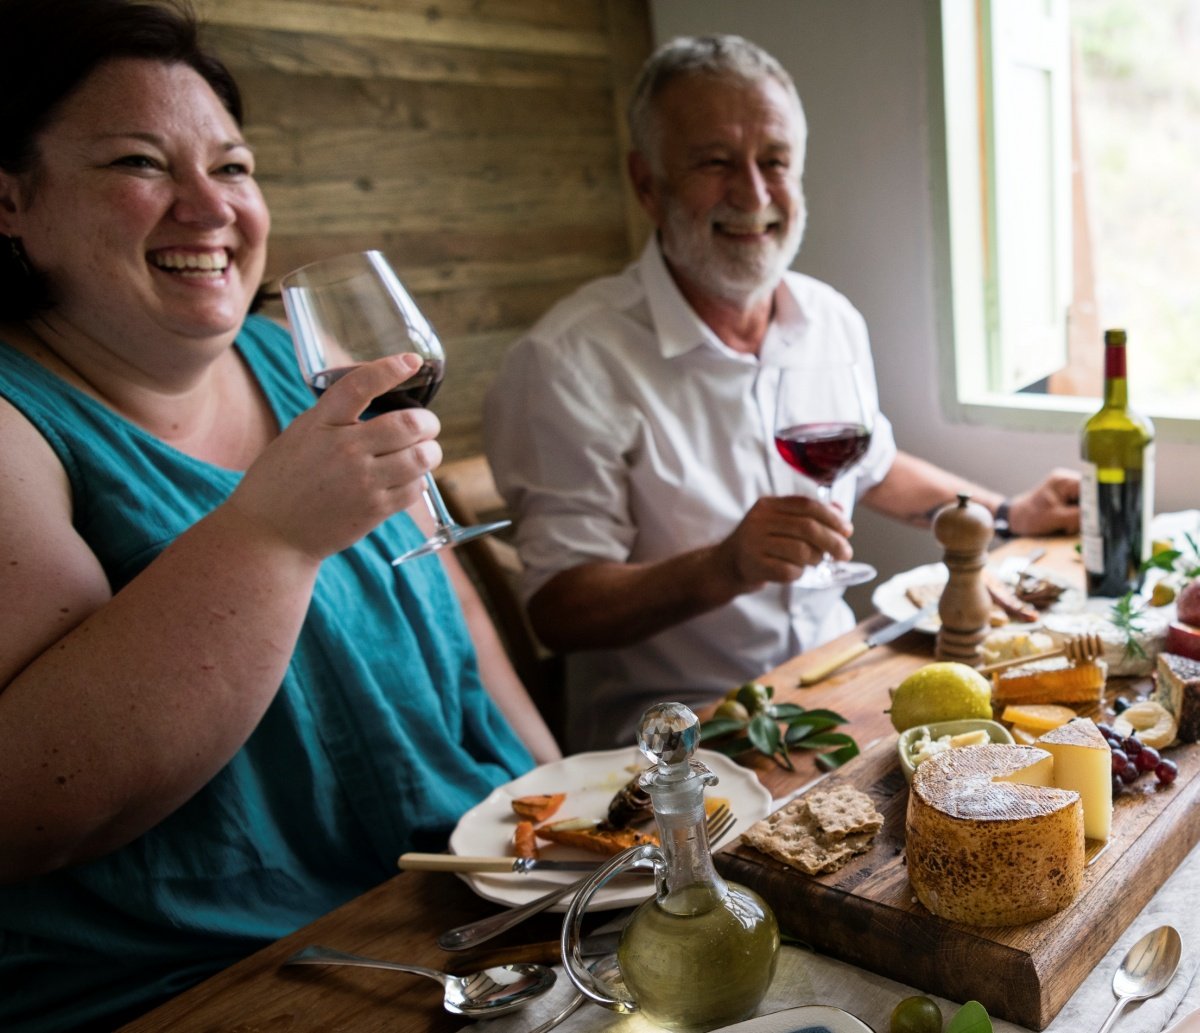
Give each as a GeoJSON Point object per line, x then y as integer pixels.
{"type": "Point", "coordinates": [823, 427]}
{"type": "Point", "coordinates": [333, 476]}
{"type": "Point", "coordinates": [352, 310]}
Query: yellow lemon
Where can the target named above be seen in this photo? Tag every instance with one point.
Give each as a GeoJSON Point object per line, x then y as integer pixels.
{"type": "Point", "coordinates": [943, 691]}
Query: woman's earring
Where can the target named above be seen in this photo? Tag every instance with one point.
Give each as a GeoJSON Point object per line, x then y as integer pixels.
{"type": "Point", "coordinates": [19, 260]}
{"type": "Point", "coordinates": [23, 290]}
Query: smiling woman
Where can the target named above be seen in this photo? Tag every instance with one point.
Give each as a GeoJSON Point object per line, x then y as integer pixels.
{"type": "Point", "coordinates": [224, 712]}
{"type": "Point", "coordinates": [146, 226]}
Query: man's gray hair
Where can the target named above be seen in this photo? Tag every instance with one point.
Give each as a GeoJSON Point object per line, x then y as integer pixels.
{"type": "Point", "coordinates": [723, 57]}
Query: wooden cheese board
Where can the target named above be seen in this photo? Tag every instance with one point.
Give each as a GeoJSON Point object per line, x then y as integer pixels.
{"type": "Point", "coordinates": [867, 914]}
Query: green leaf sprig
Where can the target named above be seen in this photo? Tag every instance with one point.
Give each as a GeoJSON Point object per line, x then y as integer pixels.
{"type": "Point", "coordinates": [747, 719]}
{"type": "Point", "coordinates": [972, 1017]}
{"type": "Point", "coordinates": [1127, 616]}
{"type": "Point", "coordinates": [1176, 561]}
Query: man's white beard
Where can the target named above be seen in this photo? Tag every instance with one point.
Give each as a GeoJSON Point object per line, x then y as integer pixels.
{"type": "Point", "coordinates": [735, 272]}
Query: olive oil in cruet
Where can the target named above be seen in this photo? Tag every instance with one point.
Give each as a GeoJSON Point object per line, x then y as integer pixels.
{"type": "Point", "coordinates": [702, 952]}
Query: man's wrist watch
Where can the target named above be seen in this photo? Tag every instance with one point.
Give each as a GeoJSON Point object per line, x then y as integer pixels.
{"type": "Point", "coordinates": [1000, 521]}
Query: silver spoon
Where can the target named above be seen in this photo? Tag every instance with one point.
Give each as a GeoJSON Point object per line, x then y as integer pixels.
{"type": "Point", "coordinates": [606, 969]}
{"type": "Point", "coordinates": [1145, 970]}
{"type": "Point", "coordinates": [494, 991]}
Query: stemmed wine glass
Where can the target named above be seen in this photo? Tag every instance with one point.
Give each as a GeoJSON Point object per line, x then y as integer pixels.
{"type": "Point", "coordinates": [823, 428]}
{"type": "Point", "coordinates": [353, 309]}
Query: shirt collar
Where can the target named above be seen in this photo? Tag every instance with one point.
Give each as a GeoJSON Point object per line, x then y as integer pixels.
{"type": "Point", "coordinates": [679, 330]}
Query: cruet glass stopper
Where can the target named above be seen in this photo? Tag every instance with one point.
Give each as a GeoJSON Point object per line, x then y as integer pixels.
{"type": "Point", "coordinates": [669, 735]}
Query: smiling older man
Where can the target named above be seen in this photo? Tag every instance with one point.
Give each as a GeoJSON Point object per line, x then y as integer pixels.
{"type": "Point", "coordinates": [632, 430]}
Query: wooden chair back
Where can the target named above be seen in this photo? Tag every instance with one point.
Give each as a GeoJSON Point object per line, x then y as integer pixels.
{"type": "Point", "coordinates": [471, 497]}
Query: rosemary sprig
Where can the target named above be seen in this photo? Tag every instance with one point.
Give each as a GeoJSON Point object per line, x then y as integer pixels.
{"type": "Point", "coordinates": [1126, 615]}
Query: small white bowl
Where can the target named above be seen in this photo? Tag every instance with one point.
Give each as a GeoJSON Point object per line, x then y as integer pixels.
{"type": "Point", "coordinates": [996, 733]}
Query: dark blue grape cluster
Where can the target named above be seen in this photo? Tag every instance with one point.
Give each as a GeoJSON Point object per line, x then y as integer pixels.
{"type": "Point", "coordinates": [1131, 758]}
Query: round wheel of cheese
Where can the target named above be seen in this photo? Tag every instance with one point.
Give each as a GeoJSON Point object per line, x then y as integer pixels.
{"type": "Point", "coordinates": [989, 841]}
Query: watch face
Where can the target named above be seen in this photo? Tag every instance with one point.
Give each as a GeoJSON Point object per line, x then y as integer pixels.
{"type": "Point", "coordinates": [1000, 521]}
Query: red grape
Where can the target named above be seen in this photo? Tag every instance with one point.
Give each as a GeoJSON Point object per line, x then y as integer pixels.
{"type": "Point", "coordinates": [1129, 774]}
{"type": "Point", "coordinates": [1147, 759]}
{"type": "Point", "coordinates": [1120, 760]}
{"type": "Point", "coordinates": [1132, 745]}
{"type": "Point", "coordinates": [1166, 771]}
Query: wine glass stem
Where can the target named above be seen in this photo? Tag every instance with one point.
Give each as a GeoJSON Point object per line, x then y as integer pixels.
{"type": "Point", "coordinates": [437, 508]}
{"type": "Point", "coordinates": [827, 565]}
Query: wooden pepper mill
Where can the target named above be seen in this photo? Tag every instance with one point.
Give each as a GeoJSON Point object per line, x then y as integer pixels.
{"type": "Point", "coordinates": [964, 530]}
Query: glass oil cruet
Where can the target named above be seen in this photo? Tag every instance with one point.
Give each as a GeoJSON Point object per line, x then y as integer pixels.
{"type": "Point", "coordinates": [701, 953]}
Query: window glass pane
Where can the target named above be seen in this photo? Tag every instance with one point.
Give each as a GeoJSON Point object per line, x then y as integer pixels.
{"type": "Point", "coordinates": [1072, 147]}
{"type": "Point", "coordinates": [1138, 105]}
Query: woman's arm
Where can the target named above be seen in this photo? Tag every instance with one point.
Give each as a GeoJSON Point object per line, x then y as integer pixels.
{"type": "Point", "coordinates": [115, 709]}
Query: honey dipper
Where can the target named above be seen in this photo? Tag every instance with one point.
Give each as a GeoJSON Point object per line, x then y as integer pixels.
{"type": "Point", "coordinates": [1080, 648]}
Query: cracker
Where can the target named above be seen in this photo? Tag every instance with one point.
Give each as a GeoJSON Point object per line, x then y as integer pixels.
{"type": "Point", "coordinates": [793, 835]}
{"type": "Point", "coordinates": [843, 811]}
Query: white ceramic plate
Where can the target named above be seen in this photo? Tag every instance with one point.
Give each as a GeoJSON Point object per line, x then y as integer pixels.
{"type": "Point", "coordinates": [589, 780]}
{"type": "Point", "coordinates": [890, 600]}
{"type": "Point", "coordinates": [1190, 1023]}
{"type": "Point", "coordinates": [812, 1018]}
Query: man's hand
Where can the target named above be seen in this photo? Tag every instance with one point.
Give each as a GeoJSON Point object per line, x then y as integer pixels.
{"type": "Point", "coordinates": [1050, 508]}
{"type": "Point", "coordinates": [781, 536]}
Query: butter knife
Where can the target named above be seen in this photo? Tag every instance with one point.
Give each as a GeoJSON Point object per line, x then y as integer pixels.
{"type": "Point", "coordinates": [465, 863]}
{"type": "Point", "coordinates": [853, 652]}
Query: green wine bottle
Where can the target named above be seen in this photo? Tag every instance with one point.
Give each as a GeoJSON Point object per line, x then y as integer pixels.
{"type": "Point", "coordinates": [1117, 494]}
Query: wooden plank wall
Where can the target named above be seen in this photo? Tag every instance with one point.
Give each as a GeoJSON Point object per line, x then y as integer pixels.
{"type": "Point", "coordinates": [479, 143]}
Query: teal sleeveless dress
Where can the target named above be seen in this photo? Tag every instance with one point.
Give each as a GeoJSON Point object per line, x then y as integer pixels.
{"type": "Point", "coordinates": [378, 739]}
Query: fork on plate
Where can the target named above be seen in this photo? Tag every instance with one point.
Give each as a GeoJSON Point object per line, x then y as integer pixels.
{"type": "Point", "coordinates": [719, 823]}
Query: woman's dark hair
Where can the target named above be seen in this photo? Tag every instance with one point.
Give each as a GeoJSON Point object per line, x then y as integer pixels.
{"type": "Point", "coordinates": [47, 49]}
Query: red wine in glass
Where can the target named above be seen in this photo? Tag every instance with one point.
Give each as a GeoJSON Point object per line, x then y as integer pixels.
{"type": "Point", "coordinates": [823, 418]}
{"type": "Point", "coordinates": [823, 451]}
{"type": "Point", "coordinates": [415, 393]}
{"type": "Point", "coordinates": [352, 309]}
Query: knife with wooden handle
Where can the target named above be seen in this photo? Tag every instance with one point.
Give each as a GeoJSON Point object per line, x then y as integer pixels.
{"type": "Point", "coordinates": [464, 863]}
{"type": "Point", "coordinates": [893, 631]}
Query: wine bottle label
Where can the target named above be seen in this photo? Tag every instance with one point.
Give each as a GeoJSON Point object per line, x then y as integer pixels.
{"type": "Point", "coordinates": [1091, 540]}
{"type": "Point", "coordinates": [1147, 498]}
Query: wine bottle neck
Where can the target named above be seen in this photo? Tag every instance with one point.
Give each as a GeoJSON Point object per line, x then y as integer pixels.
{"type": "Point", "coordinates": [1116, 386]}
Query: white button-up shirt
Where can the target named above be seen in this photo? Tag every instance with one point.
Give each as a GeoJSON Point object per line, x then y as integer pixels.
{"type": "Point", "coordinates": [622, 429]}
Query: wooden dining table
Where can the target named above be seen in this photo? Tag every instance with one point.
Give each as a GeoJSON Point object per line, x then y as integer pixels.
{"type": "Point", "coordinates": [400, 919]}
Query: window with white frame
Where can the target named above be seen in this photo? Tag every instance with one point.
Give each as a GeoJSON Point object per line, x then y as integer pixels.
{"type": "Point", "coordinates": [1072, 145]}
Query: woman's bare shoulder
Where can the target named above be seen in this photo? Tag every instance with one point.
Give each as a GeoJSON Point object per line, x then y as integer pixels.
{"type": "Point", "coordinates": [49, 579]}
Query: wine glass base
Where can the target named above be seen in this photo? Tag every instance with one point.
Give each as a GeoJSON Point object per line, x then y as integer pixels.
{"type": "Point", "coordinates": [450, 536]}
{"type": "Point", "coordinates": [836, 575]}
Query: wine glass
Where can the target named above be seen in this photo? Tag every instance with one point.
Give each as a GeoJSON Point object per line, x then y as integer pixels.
{"type": "Point", "coordinates": [823, 428]}
{"type": "Point", "coordinates": [353, 309]}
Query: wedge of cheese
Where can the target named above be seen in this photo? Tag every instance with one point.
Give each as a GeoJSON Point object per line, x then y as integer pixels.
{"type": "Point", "coordinates": [990, 839]}
{"type": "Point", "coordinates": [1083, 762]}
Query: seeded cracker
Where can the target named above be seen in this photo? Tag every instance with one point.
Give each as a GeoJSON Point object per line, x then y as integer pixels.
{"type": "Point", "coordinates": [843, 811]}
{"type": "Point", "coordinates": [796, 834]}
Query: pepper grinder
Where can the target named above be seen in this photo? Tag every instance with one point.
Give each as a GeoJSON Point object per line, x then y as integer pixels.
{"type": "Point", "coordinates": [964, 530]}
